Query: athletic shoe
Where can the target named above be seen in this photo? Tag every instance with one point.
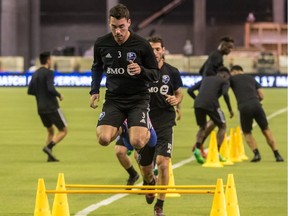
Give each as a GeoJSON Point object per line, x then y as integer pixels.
{"type": "Point", "coordinates": [198, 156]}
{"type": "Point", "coordinates": [132, 180]}
{"type": "Point", "coordinates": [279, 158]}
{"type": "Point", "coordinates": [221, 158]}
{"type": "Point", "coordinates": [256, 158]}
{"type": "Point", "coordinates": [155, 171]}
{"type": "Point", "coordinates": [203, 153]}
{"type": "Point", "coordinates": [129, 152]}
{"type": "Point", "coordinates": [150, 197]}
{"type": "Point", "coordinates": [158, 211]}
{"type": "Point", "coordinates": [51, 157]}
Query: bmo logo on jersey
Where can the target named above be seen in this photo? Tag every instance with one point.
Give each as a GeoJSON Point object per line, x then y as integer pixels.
{"type": "Point", "coordinates": [164, 89]}
{"type": "Point", "coordinates": [115, 70]}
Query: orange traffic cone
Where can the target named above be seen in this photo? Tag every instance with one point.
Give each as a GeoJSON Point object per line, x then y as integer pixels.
{"type": "Point", "coordinates": [212, 159]}
{"type": "Point", "coordinates": [42, 204]}
{"type": "Point", "coordinates": [232, 206]}
{"type": "Point", "coordinates": [239, 141]}
{"type": "Point", "coordinates": [171, 182]}
{"type": "Point", "coordinates": [225, 151]}
{"type": "Point", "coordinates": [60, 204]}
{"type": "Point", "coordinates": [219, 203]}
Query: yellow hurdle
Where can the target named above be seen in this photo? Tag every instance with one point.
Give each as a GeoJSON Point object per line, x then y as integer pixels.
{"type": "Point", "coordinates": [220, 207]}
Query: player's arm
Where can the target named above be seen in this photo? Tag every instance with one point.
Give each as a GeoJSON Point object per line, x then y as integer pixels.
{"type": "Point", "coordinates": [96, 75]}
{"type": "Point", "coordinates": [149, 70]}
{"type": "Point", "coordinates": [227, 98]}
{"type": "Point", "coordinates": [179, 96]}
{"type": "Point", "coordinates": [193, 88]}
{"type": "Point", "coordinates": [31, 88]}
{"type": "Point", "coordinates": [50, 85]}
{"type": "Point", "coordinates": [259, 91]}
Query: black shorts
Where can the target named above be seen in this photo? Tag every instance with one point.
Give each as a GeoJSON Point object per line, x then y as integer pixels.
{"type": "Point", "coordinates": [114, 114]}
{"type": "Point", "coordinates": [250, 112]}
{"type": "Point", "coordinates": [55, 118]}
{"type": "Point", "coordinates": [217, 116]}
{"type": "Point", "coordinates": [164, 141]}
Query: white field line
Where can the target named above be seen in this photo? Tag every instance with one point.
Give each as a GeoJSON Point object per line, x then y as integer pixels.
{"type": "Point", "coordinates": [116, 197]}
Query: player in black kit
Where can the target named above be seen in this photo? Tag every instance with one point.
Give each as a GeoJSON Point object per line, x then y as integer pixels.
{"type": "Point", "coordinates": [166, 96]}
{"type": "Point", "coordinates": [130, 65]}
{"type": "Point", "coordinates": [42, 87]}
{"type": "Point", "coordinates": [215, 58]}
{"type": "Point", "coordinates": [248, 94]}
{"type": "Point", "coordinates": [206, 103]}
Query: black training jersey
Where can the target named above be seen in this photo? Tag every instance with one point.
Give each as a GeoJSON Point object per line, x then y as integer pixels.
{"type": "Point", "coordinates": [161, 112]}
{"type": "Point", "coordinates": [42, 87]}
{"type": "Point", "coordinates": [212, 87]}
{"type": "Point", "coordinates": [112, 58]}
{"type": "Point", "coordinates": [212, 64]}
{"type": "Point", "coordinates": [245, 89]}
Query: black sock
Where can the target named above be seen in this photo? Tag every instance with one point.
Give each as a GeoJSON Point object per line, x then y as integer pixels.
{"type": "Point", "coordinates": [51, 145]}
{"type": "Point", "coordinates": [198, 145]}
{"type": "Point", "coordinates": [276, 153]}
{"type": "Point", "coordinates": [159, 203]}
{"type": "Point", "coordinates": [256, 152]}
{"type": "Point", "coordinates": [132, 172]}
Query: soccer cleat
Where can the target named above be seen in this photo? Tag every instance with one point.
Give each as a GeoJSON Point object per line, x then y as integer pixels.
{"type": "Point", "coordinates": [150, 197]}
{"type": "Point", "coordinates": [158, 211]}
{"type": "Point", "coordinates": [51, 157]}
{"type": "Point", "coordinates": [132, 180]}
{"type": "Point", "coordinates": [256, 158]}
{"type": "Point", "coordinates": [198, 156]}
{"type": "Point", "coordinates": [203, 153]}
{"type": "Point", "coordinates": [279, 158]}
{"type": "Point", "coordinates": [221, 158]}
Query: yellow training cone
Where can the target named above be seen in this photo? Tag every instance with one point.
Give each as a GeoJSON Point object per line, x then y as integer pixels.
{"type": "Point", "coordinates": [243, 156]}
{"type": "Point", "coordinates": [234, 148]}
{"type": "Point", "coordinates": [225, 152]}
{"type": "Point", "coordinates": [171, 182]}
{"type": "Point", "coordinates": [231, 197]}
{"type": "Point", "coordinates": [42, 204]}
{"type": "Point", "coordinates": [60, 204]}
{"type": "Point", "coordinates": [212, 159]}
{"type": "Point", "coordinates": [219, 204]}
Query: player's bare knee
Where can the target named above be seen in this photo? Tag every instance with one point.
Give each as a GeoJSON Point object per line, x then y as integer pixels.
{"type": "Point", "coordinates": [104, 141]}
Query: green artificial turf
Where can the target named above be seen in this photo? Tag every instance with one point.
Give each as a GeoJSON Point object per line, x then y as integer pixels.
{"type": "Point", "coordinates": [261, 187]}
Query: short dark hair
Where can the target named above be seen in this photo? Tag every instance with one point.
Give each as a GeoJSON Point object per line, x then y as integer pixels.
{"type": "Point", "coordinates": [156, 39]}
{"type": "Point", "coordinates": [236, 67]}
{"type": "Point", "coordinates": [119, 11]}
{"type": "Point", "coordinates": [223, 70]}
{"type": "Point", "coordinates": [227, 39]}
{"type": "Point", "coordinates": [44, 56]}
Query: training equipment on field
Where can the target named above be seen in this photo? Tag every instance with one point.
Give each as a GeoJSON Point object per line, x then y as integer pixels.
{"type": "Point", "coordinates": [232, 206]}
{"type": "Point", "coordinates": [239, 143]}
{"type": "Point", "coordinates": [171, 182]}
{"type": "Point", "coordinates": [225, 151]}
{"type": "Point", "coordinates": [220, 205]}
{"type": "Point", "coordinates": [212, 159]}
{"type": "Point", "coordinates": [234, 147]}
{"type": "Point", "coordinates": [42, 204]}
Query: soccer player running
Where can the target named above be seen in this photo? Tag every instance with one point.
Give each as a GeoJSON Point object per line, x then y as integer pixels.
{"type": "Point", "coordinates": [166, 96]}
{"type": "Point", "coordinates": [42, 87]}
{"type": "Point", "coordinates": [130, 65]}
{"type": "Point", "coordinates": [210, 68]}
{"type": "Point", "coordinates": [248, 94]}
{"type": "Point", "coordinates": [207, 104]}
